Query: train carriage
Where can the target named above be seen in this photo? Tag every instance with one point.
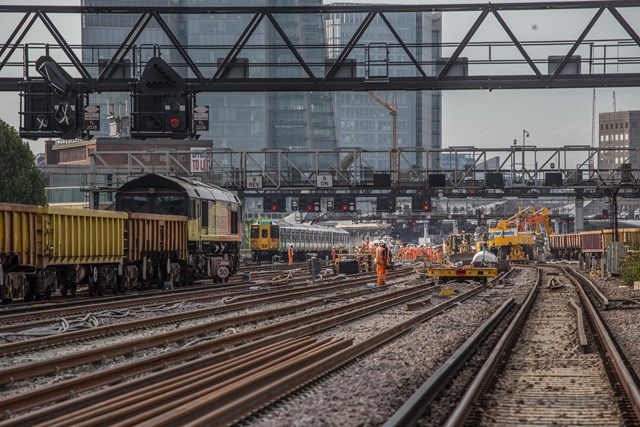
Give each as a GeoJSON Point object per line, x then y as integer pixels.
{"type": "Point", "coordinates": [166, 230]}
{"type": "Point", "coordinates": [565, 246]}
{"type": "Point", "coordinates": [630, 237]}
{"type": "Point", "coordinates": [78, 244]}
{"type": "Point", "coordinates": [595, 242]}
{"type": "Point", "coordinates": [155, 249]}
{"type": "Point", "coordinates": [17, 248]}
{"type": "Point", "coordinates": [270, 238]}
{"type": "Point", "coordinates": [45, 249]}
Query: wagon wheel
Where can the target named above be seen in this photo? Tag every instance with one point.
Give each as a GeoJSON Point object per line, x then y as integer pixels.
{"type": "Point", "coordinates": [27, 293]}
{"type": "Point", "coordinates": [93, 282]}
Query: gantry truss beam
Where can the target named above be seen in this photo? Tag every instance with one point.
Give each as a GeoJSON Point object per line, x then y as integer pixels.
{"type": "Point", "coordinates": [463, 171]}
{"type": "Point", "coordinates": [583, 61]}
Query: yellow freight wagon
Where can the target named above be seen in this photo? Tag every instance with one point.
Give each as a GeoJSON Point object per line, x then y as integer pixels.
{"type": "Point", "coordinates": [17, 248]}
{"type": "Point", "coordinates": [77, 246]}
{"type": "Point", "coordinates": [155, 245]}
{"type": "Point", "coordinates": [81, 236]}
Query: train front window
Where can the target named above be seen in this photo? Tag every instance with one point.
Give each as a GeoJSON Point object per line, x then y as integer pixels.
{"type": "Point", "coordinates": [133, 203]}
{"type": "Point", "coordinates": [275, 232]}
{"type": "Point", "coordinates": [170, 205]}
{"type": "Point", "coordinates": [255, 232]}
{"type": "Point", "coordinates": [265, 233]}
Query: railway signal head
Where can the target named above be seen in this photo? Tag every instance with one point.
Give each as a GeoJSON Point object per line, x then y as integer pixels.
{"type": "Point", "coordinates": [605, 214]}
{"type": "Point", "coordinates": [421, 203]}
{"type": "Point", "coordinates": [274, 204]}
{"type": "Point", "coordinates": [345, 204]}
{"type": "Point", "coordinates": [309, 204]}
{"type": "Point", "coordinates": [175, 116]}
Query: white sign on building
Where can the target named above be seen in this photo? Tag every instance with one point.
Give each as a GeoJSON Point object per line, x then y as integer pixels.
{"type": "Point", "coordinates": [200, 160]}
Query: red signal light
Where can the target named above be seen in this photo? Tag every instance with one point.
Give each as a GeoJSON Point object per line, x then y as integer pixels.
{"type": "Point", "coordinates": [309, 208]}
{"type": "Point", "coordinates": [426, 207]}
{"type": "Point", "coordinates": [344, 207]}
{"type": "Point", "coordinates": [274, 208]}
{"type": "Point", "coordinates": [174, 123]}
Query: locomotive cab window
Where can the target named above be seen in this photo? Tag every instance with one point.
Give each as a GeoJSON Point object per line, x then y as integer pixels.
{"type": "Point", "coordinates": [133, 203]}
{"type": "Point", "coordinates": [265, 233]}
{"type": "Point", "coordinates": [234, 222]}
{"type": "Point", "coordinates": [205, 214]}
{"type": "Point", "coordinates": [255, 232]}
{"type": "Point", "coordinates": [170, 205]}
{"type": "Point", "coordinates": [275, 232]}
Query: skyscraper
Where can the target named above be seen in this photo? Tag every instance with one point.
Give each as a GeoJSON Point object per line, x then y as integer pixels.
{"type": "Point", "coordinates": [240, 121]}
{"type": "Point", "coordinates": [362, 122]}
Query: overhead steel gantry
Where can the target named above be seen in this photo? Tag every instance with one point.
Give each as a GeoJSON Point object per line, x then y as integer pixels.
{"type": "Point", "coordinates": [468, 64]}
{"type": "Point", "coordinates": [460, 172]}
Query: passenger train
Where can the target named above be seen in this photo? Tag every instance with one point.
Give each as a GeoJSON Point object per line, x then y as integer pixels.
{"type": "Point", "coordinates": [273, 238]}
{"type": "Point", "coordinates": [165, 230]}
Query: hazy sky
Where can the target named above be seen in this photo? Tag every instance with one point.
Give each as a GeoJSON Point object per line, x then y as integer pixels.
{"type": "Point", "coordinates": [553, 117]}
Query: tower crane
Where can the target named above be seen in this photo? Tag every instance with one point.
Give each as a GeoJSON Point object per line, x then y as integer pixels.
{"type": "Point", "coordinates": [393, 110]}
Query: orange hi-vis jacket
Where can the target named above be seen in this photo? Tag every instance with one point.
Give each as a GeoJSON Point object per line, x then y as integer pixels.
{"type": "Point", "coordinates": [382, 256]}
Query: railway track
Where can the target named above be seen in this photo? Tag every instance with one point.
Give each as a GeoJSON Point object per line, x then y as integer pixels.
{"type": "Point", "coordinates": [35, 315]}
{"type": "Point", "coordinates": [543, 367]}
{"type": "Point", "coordinates": [220, 349]}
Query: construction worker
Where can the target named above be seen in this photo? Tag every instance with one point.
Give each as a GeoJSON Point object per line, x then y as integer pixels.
{"type": "Point", "coordinates": [382, 262]}
{"type": "Point", "coordinates": [290, 252]}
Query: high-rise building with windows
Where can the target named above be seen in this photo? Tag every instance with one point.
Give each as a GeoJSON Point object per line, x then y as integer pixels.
{"type": "Point", "coordinates": [361, 121]}
{"type": "Point", "coordinates": [620, 136]}
{"type": "Point", "coordinates": [240, 121]}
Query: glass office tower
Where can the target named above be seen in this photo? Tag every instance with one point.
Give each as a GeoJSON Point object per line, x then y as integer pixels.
{"type": "Point", "coordinates": [361, 121]}
{"type": "Point", "coordinates": [240, 121]}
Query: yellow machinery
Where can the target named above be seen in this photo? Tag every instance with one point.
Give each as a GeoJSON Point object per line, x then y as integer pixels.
{"type": "Point", "coordinates": [459, 247]}
{"type": "Point", "coordinates": [510, 240]}
{"type": "Point", "coordinates": [445, 274]}
{"type": "Point", "coordinates": [366, 262]}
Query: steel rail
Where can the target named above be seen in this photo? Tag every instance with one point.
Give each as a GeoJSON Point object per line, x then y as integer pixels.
{"type": "Point", "coordinates": [602, 299]}
{"type": "Point", "coordinates": [413, 409]}
{"type": "Point", "coordinates": [304, 325]}
{"type": "Point", "coordinates": [276, 296]}
{"type": "Point", "coordinates": [612, 352]}
{"type": "Point", "coordinates": [582, 334]}
{"type": "Point", "coordinates": [474, 390]}
{"type": "Point", "coordinates": [245, 405]}
{"type": "Point", "coordinates": [201, 392]}
{"type": "Point", "coordinates": [133, 408]}
{"type": "Point", "coordinates": [86, 306]}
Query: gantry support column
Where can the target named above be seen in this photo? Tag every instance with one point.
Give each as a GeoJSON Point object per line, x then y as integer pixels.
{"type": "Point", "coordinates": [579, 215]}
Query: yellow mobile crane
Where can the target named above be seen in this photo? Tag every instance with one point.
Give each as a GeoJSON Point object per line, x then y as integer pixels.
{"type": "Point", "coordinates": [509, 239]}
